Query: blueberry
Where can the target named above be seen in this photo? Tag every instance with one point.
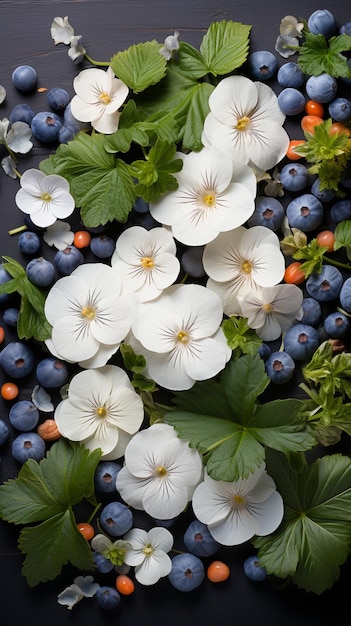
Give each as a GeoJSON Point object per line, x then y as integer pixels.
{"type": "Point", "coordinates": [4, 432]}
{"type": "Point", "coordinates": [268, 212]}
{"type": "Point", "coordinates": [28, 446]}
{"type": "Point", "coordinates": [67, 132]}
{"type": "Point", "coordinates": [312, 311]}
{"type": "Point", "coordinates": [4, 277]}
{"type": "Point", "coordinates": [198, 539]}
{"type": "Point", "coordinates": [324, 195]}
{"type": "Point", "coordinates": [40, 272]}
{"type": "Point", "coordinates": [24, 415]}
{"type": "Point", "coordinates": [321, 88]}
{"type": "Point", "coordinates": [253, 570]}
{"type": "Point", "coordinates": [262, 65]}
{"type": "Point", "coordinates": [102, 564]}
{"type": "Point", "coordinates": [107, 598]}
{"type": "Point", "coordinates": [116, 519]}
{"type": "Point", "coordinates": [191, 262]}
{"type": "Point", "coordinates": [340, 109]}
{"type": "Point", "coordinates": [58, 98]}
{"type": "Point", "coordinates": [326, 285]}
{"type": "Point", "coordinates": [24, 78]}
{"type": "Point", "coordinates": [336, 325]}
{"type": "Point", "coordinates": [187, 573]}
{"type": "Point", "coordinates": [51, 373]}
{"type": "Point", "coordinates": [291, 101]}
{"type": "Point", "coordinates": [305, 212]}
{"type": "Point", "coordinates": [322, 22]}
{"type": "Point", "coordinates": [345, 295]}
{"type": "Point", "coordinates": [46, 126]}
{"type": "Point", "coordinates": [264, 351]}
{"type": "Point", "coordinates": [341, 210]}
{"type": "Point", "coordinates": [301, 341]}
{"type": "Point", "coordinates": [140, 205]}
{"type": "Point", "coordinates": [105, 476]}
{"type": "Point", "coordinates": [10, 316]}
{"type": "Point", "coordinates": [102, 246]}
{"type": "Point", "coordinates": [280, 367]}
{"type": "Point", "coordinates": [68, 260]}
{"type": "Point", "coordinates": [290, 75]}
{"type": "Point", "coordinates": [345, 29]}
{"type": "Point", "coordinates": [21, 113]}
{"type": "Point", "coordinates": [17, 359]}
{"type": "Point", "coordinates": [294, 176]}
{"type": "Point", "coordinates": [28, 242]}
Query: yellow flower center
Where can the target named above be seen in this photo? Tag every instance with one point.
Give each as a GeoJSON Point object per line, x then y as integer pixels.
{"type": "Point", "coordinates": [104, 98]}
{"type": "Point", "coordinates": [46, 197]}
{"type": "Point", "coordinates": [161, 471]}
{"type": "Point", "coordinates": [148, 550]}
{"type": "Point", "coordinates": [101, 411]}
{"type": "Point", "coordinates": [238, 500]}
{"type": "Point", "coordinates": [88, 312]}
{"type": "Point", "coordinates": [183, 337]}
{"type": "Point", "coordinates": [246, 266]}
{"type": "Point", "coordinates": [267, 308]}
{"type": "Point", "coordinates": [243, 123]}
{"type": "Point", "coordinates": [209, 199]}
{"type": "Point", "coordinates": [147, 262]}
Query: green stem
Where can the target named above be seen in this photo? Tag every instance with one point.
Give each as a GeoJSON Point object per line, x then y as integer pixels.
{"type": "Point", "coordinates": [19, 229]}
{"type": "Point", "coordinates": [346, 266]}
{"type": "Point", "coordinates": [100, 63]}
{"type": "Point", "coordinates": [94, 513]}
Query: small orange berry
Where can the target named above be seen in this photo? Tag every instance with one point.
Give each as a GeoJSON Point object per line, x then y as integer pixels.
{"type": "Point", "coordinates": [48, 430]}
{"type": "Point", "coordinates": [82, 239]}
{"type": "Point", "coordinates": [218, 571]}
{"type": "Point", "coordinates": [86, 529]}
{"type": "Point", "coordinates": [326, 239]}
{"type": "Point", "coordinates": [9, 391]}
{"type": "Point", "coordinates": [314, 108]}
{"type": "Point", "coordinates": [2, 334]}
{"type": "Point", "coordinates": [290, 154]}
{"type": "Point", "coordinates": [308, 122]}
{"type": "Point", "coordinates": [124, 585]}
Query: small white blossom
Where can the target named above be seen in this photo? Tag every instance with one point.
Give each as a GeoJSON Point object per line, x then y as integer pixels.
{"type": "Point", "coordinates": [273, 187]}
{"type": "Point", "coordinates": [83, 587]}
{"type": "Point", "coordinates": [286, 46]}
{"type": "Point", "coordinates": [9, 166]}
{"type": "Point", "coordinates": [61, 30]}
{"type": "Point", "coordinates": [44, 198]}
{"type": "Point", "coordinates": [42, 400]}
{"type": "Point", "coordinates": [114, 551]}
{"type": "Point", "coordinates": [15, 137]}
{"type": "Point", "coordinates": [2, 94]}
{"type": "Point", "coordinates": [148, 553]}
{"type": "Point", "coordinates": [290, 27]}
{"type": "Point", "coordinates": [59, 235]}
{"type": "Point", "coordinates": [171, 44]}
{"type": "Point", "coordinates": [76, 51]}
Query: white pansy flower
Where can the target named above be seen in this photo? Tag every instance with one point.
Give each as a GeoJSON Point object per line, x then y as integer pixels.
{"type": "Point", "coordinates": [88, 315]}
{"type": "Point", "coordinates": [214, 195]}
{"type": "Point", "coordinates": [59, 235]}
{"type": "Point", "coordinates": [83, 587]}
{"type": "Point", "coordinates": [171, 44]}
{"type": "Point", "coordinates": [242, 261]}
{"type": "Point", "coordinates": [245, 122]}
{"type": "Point", "coordinates": [15, 137]}
{"type": "Point", "coordinates": [76, 50]}
{"type": "Point", "coordinates": [102, 410]}
{"type": "Point", "coordinates": [290, 27]}
{"type": "Point", "coordinates": [181, 337]}
{"type": "Point", "coordinates": [44, 198]}
{"type": "Point", "coordinates": [148, 554]}
{"type": "Point", "coordinates": [160, 472]}
{"type": "Point", "coordinates": [99, 95]}
{"type": "Point", "coordinates": [61, 30]}
{"type": "Point", "coordinates": [272, 310]}
{"type": "Point", "coordinates": [286, 46]}
{"type": "Point", "coordinates": [236, 511]}
{"type": "Point", "coordinates": [146, 261]}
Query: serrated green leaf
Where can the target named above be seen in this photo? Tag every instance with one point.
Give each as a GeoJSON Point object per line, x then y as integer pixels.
{"type": "Point", "coordinates": [241, 339]}
{"type": "Point", "coordinates": [140, 66]}
{"type": "Point", "coordinates": [342, 234]}
{"type": "Point", "coordinates": [314, 538]}
{"type": "Point", "coordinates": [195, 117]}
{"type": "Point", "coordinates": [244, 379]}
{"type": "Point", "coordinates": [51, 545]}
{"type": "Point", "coordinates": [190, 61]}
{"type": "Point", "coordinates": [155, 173]}
{"type": "Point", "coordinates": [317, 55]}
{"type": "Point", "coordinates": [31, 322]}
{"type": "Point", "coordinates": [225, 46]}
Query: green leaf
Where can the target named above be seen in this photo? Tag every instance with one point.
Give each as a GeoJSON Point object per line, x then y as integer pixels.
{"type": "Point", "coordinates": [241, 339]}
{"type": "Point", "coordinates": [342, 234]}
{"type": "Point", "coordinates": [317, 55]}
{"type": "Point", "coordinates": [51, 545]}
{"type": "Point", "coordinates": [155, 173]}
{"type": "Point", "coordinates": [244, 380]}
{"type": "Point", "coordinates": [314, 538]}
{"type": "Point", "coordinates": [195, 116]}
{"type": "Point", "coordinates": [140, 66]}
{"type": "Point", "coordinates": [190, 61]}
{"type": "Point", "coordinates": [225, 46]}
{"type": "Point", "coordinates": [314, 255]}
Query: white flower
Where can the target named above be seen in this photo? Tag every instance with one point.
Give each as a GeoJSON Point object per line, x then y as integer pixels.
{"type": "Point", "coordinates": [241, 261]}
{"type": "Point", "coordinates": [76, 51]}
{"type": "Point", "coordinates": [88, 315]}
{"type": "Point", "coordinates": [160, 473]}
{"type": "Point", "coordinates": [146, 261]}
{"type": "Point", "coordinates": [59, 235]}
{"type": "Point", "coordinates": [99, 95]}
{"type": "Point", "coordinates": [15, 137]}
{"type": "Point", "coordinates": [102, 410]}
{"type": "Point", "coordinates": [273, 187]}
{"type": "Point", "coordinates": [286, 46]}
{"type": "Point", "coordinates": [290, 27]}
{"type": "Point", "coordinates": [44, 198]}
{"type": "Point", "coordinates": [114, 551]}
{"type": "Point", "coordinates": [236, 511]}
{"type": "Point", "coordinates": [272, 310]}
{"type": "Point", "coordinates": [61, 30]}
{"type": "Point", "coordinates": [245, 122]}
{"type": "Point", "coordinates": [171, 44]}
{"type": "Point", "coordinates": [181, 337]}
{"type": "Point", "coordinates": [214, 195]}
{"type": "Point", "coordinates": [83, 587]}
{"type": "Point", "coordinates": [9, 166]}
{"type": "Point", "coordinates": [2, 94]}
{"type": "Point", "coordinates": [148, 554]}
{"type": "Point", "coordinates": [41, 399]}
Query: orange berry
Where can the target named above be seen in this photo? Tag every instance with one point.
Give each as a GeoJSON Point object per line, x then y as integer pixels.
{"type": "Point", "coordinates": [308, 122]}
{"type": "Point", "coordinates": [124, 585]}
{"type": "Point", "coordinates": [314, 108]}
{"type": "Point", "coordinates": [290, 154]}
{"type": "Point", "coordinates": [48, 430]}
{"type": "Point", "coordinates": [218, 571]}
{"type": "Point", "coordinates": [293, 274]}
{"type": "Point", "coordinates": [86, 529]}
{"type": "Point", "coordinates": [338, 127]}
{"type": "Point", "coordinates": [2, 334]}
{"type": "Point", "coordinates": [9, 391]}
{"type": "Point", "coordinates": [326, 239]}
{"type": "Point", "coordinates": [82, 239]}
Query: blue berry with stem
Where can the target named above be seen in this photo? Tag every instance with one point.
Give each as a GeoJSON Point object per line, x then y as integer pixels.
{"type": "Point", "coordinates": [102, 246]}
{"type": "Point", "coordinates": [116, 519]}
{"type": "Point", "coordinates": [102, 564]}
{"type": "Point", "coordinates": [322, 22]}
{"type": "Point", "coordinates": [28, 242]}
{"type": "Point", "coordinates": [294, 176]}
{"type": "Point", "coordinates": [305, 212]}
{"type": "Point", "coordinates": [58, 98]}
{"type": "Point", "coordinates": [337, 325]}
{"type": "Point", "coordinates": [24, 78]}
{"type": "Point", "coordinates": [4, 432]}
{"type": "Point", "coordinates": [21, 113]}
{"type": "Point", "coordinates": [28, 445]}
{"type": "Point", "coordinates": [107, 597]}
{"type": "Point", "coordinates": [269, 212]}
{"type": "Point", "coordinates": [198, 539]}
{"type": "Point", "coordinates": [301, 341]}
{"type": "Point", "coordinates": [290, 75]}
{"type": "Point", "coordinates": [264, 351]}
{"type": "Point", "coordinates": [17, 359]}
{"type": "Point", "coordinates": [106, 475]}
{"type": "Point", "coordinates": [321, 88]}
{"type": "Point", "coordinates": [40, 272]}
{"type": "Point", "coordinates": [341, 210]}
{"type": "Point", "coordinates": [253, 570]}
{"type": "Point", "coordinates": [262, 65]}
{"type": "Point", "coordinates": [340, 109]}
{"type": "Point", "coordinates": [291, 101]}
{"type": "Point", "coordinates": [325, 285]}
{"type": "Point", "coordinates": [24, 415]}
{"type": "Point", "coordinates": [311, 311]}
{"type": "Point", "coordinates": [46, 126]}
{"type": "Point", "coordinates": [280, 367]}
{"type": "Point", "coordinates": [187, 573]}
{"type": "Point", "coordinates": [324, 195]}
{"type": "Point", "coordinates": [10, 316]}
{"type": "Point", "coordinates": [67, 260]}
{"type": "Point", "coordinates": [52, 373]}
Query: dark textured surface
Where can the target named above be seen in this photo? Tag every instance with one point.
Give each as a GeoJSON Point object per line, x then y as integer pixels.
{"type": "Point", "coordinates": [108, 26]}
